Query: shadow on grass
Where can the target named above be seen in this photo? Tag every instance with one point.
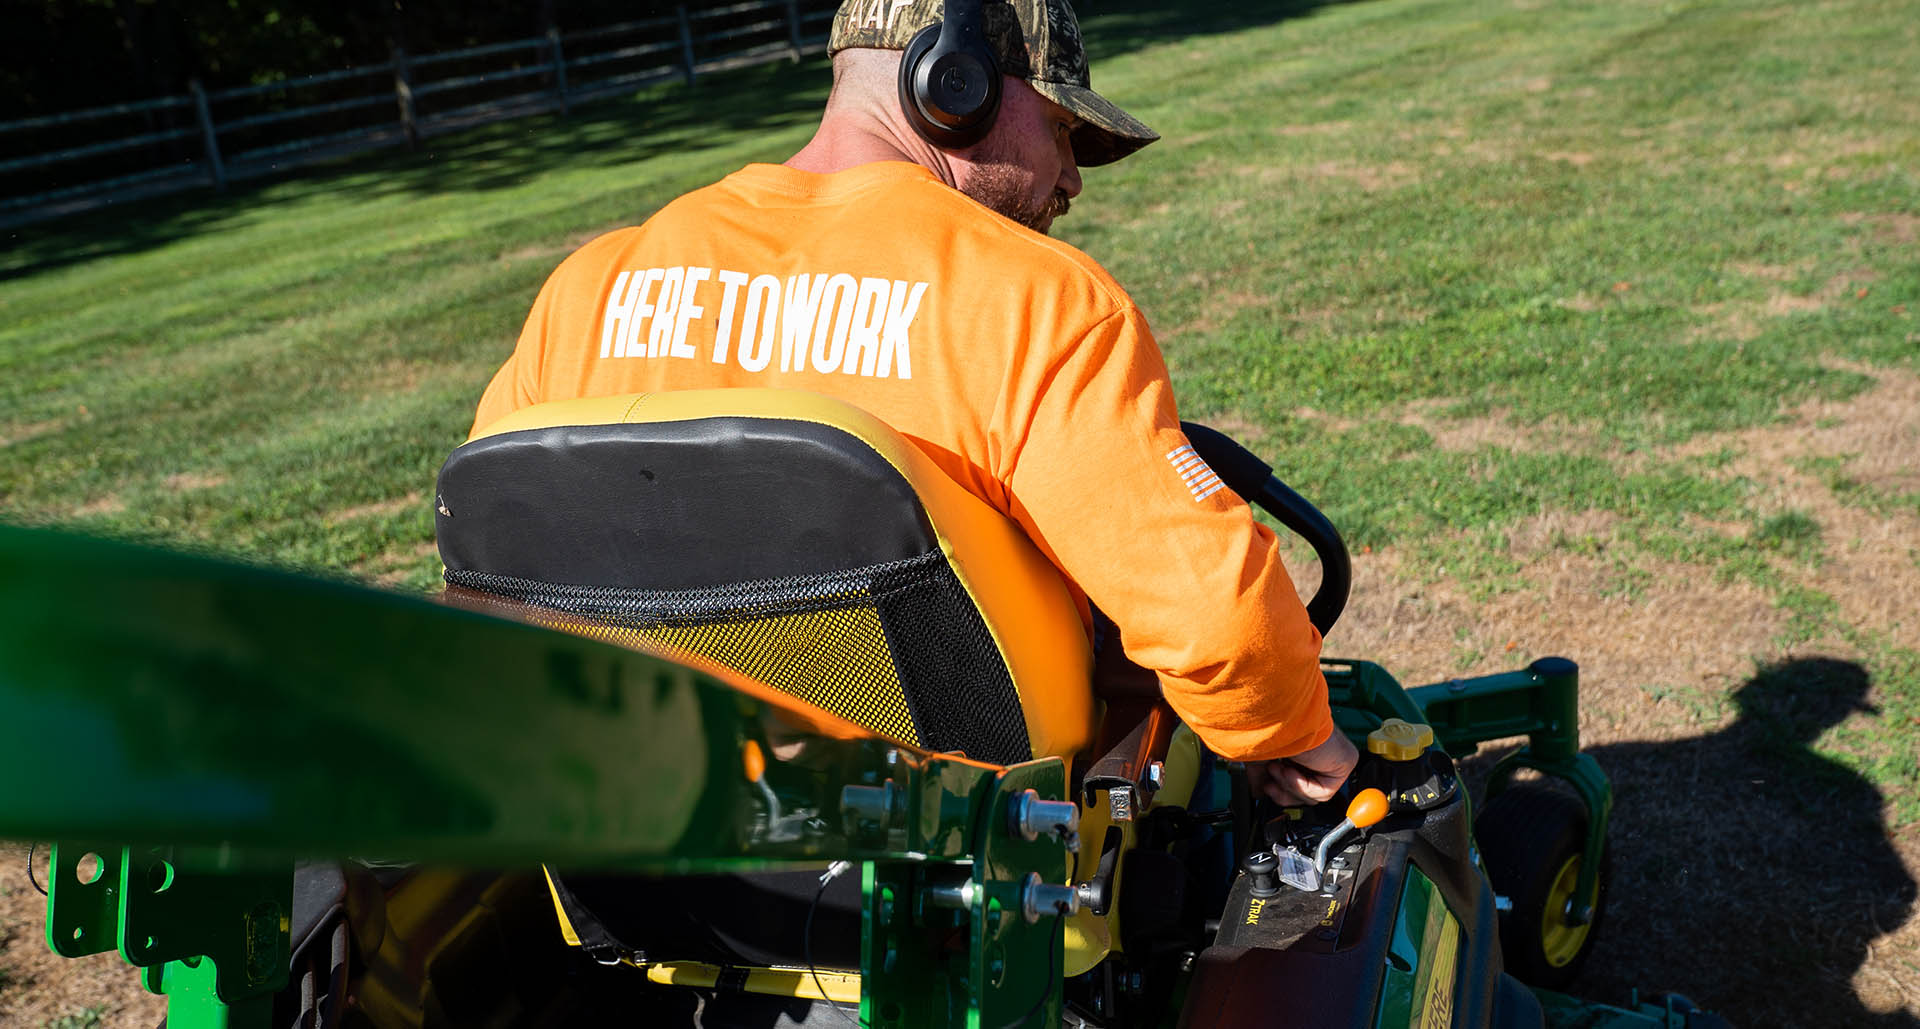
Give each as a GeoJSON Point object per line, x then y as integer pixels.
{"type": "Point", "coordinates": [1750, 872]}
{"type": "Point", "coordinates": [721, 108]}
{"type": "Point", "coordinates": [1114, 27]}
{"type": "Point", "coordinates": [663, 119]}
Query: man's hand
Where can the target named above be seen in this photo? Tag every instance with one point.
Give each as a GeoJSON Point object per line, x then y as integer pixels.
{"type": "Point", "coordinates": [1308, 777]}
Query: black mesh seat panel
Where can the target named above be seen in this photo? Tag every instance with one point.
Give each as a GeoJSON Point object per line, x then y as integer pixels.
{"type": "Point", "coordinates": [675, 505]}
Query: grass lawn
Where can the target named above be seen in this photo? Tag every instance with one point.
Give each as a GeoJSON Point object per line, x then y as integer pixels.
{"type": "Point", "coordinates": [1595, 326]}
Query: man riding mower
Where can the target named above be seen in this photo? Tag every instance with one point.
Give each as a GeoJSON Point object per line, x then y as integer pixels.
{"type": "Point", "coordinates": [689, 816]}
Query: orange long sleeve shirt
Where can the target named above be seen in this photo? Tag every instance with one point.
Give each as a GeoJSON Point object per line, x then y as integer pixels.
{"type": "Point", "coordinates": [1011, 358]}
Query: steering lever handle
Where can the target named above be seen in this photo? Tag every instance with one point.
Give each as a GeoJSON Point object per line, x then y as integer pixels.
{"type": "Point", "coordinates": [1254, 481]}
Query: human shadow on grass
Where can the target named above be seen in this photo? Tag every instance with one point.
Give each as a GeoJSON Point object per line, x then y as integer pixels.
{"type": "Point", "coordinates": [1751, 872]}
{"type": "Point", "coordinates": [720, 109]}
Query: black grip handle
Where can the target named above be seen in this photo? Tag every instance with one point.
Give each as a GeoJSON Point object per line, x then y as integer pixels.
{"type": "Point", "coordinates": [1254, 481]}
{"type": "Point", "coordinates": [1236, 466]}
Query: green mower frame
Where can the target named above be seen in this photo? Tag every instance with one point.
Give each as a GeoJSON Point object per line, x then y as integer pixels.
{"type": "Point", "coordinates": [195, 726]}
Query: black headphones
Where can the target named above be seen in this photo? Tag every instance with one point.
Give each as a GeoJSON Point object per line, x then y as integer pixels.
{"type": "Point", "coordinates": [949, 81]}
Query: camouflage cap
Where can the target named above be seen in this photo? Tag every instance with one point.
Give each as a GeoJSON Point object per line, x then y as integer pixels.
{"type": "Point", "coordinates": [1035, 40]}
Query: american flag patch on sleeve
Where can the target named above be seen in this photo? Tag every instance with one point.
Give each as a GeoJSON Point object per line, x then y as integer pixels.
{"type": "Point", "coordinates": [1199, 479]}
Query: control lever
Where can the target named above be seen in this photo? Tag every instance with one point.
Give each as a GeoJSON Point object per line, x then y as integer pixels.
{"type": "Point", "coordinates": [1368, 807]}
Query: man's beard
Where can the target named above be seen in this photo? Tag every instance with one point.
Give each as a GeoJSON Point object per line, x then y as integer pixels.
{"type": "Point", "coordinates": [1002, 186]}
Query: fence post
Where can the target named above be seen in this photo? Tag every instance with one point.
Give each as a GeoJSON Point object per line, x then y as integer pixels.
{"type": "Point", "coordinates": [793, 29]}
{"type": "Point", "coordinates": [686, 42]}
{"type": "Point", "coordinates": [215, 171]}
{"type": "Point", "coordinates": [559, 66]}
{"type": "Point", "coordinates": [403, 92]}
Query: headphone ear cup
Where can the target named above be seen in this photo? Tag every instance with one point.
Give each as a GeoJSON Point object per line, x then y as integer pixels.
{"type": "Point", "coordinates": [910, 61]}
{"type": "Point", "coordinates": [949, 94]}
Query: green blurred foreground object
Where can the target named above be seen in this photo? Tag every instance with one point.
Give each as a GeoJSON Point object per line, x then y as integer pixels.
{"type": "Point", "coordinates": [209, 724]}
{"type": "Point", "coordinates": [240, 717]}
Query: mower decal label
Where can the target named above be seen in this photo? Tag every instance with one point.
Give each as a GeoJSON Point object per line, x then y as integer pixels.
{"type": "Point", "coordinates": [1253, 911]}
{"type": "Point", "coordinates": [827, 322]}
{"type": "Point", "coordinates": [1434, 987]}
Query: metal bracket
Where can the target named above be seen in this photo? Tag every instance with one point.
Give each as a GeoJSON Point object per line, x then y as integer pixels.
{"type": "Point", "coordinates": [1589, 782]}
{"type": "Point", "coordinates": [216, 942]}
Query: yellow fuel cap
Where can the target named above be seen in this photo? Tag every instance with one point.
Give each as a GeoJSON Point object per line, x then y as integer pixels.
{"type": "Point", "coordinates": [1398, 740]}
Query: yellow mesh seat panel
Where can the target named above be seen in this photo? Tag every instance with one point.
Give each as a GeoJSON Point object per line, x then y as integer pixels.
{"type": "Point", "coordinates": [836, 660]}
{"type": "Point", "coordinates": [1026, 604]}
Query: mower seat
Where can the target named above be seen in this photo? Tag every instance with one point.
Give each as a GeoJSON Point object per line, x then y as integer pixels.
{"type": "Point", "coordinates": [790, 537]}
{"type": "Point", "coordinates": [797, 540]}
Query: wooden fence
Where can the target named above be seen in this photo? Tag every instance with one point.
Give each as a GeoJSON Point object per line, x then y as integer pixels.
{"type": "Point", "coordinates": [63, 162]}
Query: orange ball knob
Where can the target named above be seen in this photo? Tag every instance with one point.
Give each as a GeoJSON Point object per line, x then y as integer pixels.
{"type": "Point", "coordinates": [1368, 806]}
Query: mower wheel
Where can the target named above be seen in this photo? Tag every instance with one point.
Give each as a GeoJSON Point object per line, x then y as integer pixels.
{"type": "Point", "coordinates": [1531, 839]}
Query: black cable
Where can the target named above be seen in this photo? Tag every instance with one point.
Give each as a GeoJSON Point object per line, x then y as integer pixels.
{"type": "Point", "coordinates": [309, 1008]}
{"type": "Point", "coordinates": [337, 958]}
{"type": "Point", "coordinates": [30, 877]}
{"type": "Point", "coordinates": [1046, 983]}
{"type": "Point", "coordinates": [833, 872]}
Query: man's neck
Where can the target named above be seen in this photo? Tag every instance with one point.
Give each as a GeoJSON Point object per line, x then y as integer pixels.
{"type": "Point", "coordinates": [845, 141]}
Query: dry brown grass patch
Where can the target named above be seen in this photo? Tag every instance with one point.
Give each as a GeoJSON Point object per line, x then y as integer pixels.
{"type": "Point", "coordinates": [1678, 627]}
{"type": "Point", "coordinates": [1372, 178]}
{"type": "Point", "coordinates": [101, 507]}
{"type": "Point", "coordinates": [1242, 431]}
{"type": "Point", "coordinates": [1738, 323]}
{"type": "Point", "coordinates": [1741, 320]}
{"type": "Point", "coordinates": [13, 434]}
{"type": "Point", "coordinates": [1577, 158]}
{"type": "Point", "coordinates": [1868, 557]}
{"type": "Point", "coordinates": [1891, 227]}
{"type": "Point", "coordinates": [1332, 423]}
{"type": "Point", "coordinates": [1322, 128]}
{"type": "Point", "coordinates": [1769, 272]}
{"type": "Point", "coordinates": [1869, 561]}
{"type": "Point", "coordinates": [183, 482]}
{"type": "Point", "coordinates": [1536, 536]}
{"type": "Point", "coordinates": [1490, 151]}
{"type": "Point", "coordinates": [394, 375]}
{"type": "Point", "coordinates": [548, 251]}
{"type": "Point", "coordinates": [1497, 429]}
{"type": "Point", "coordinates": [377, 509]}
{"type": "Point", "coordinates": [1220, 309]}
{"type": "Point", "coordinates": [1780, 305]}
{"type": "Point", "coordinates": [390, 566]}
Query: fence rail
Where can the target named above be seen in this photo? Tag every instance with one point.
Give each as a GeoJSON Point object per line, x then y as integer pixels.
{"type": "Point", "coordinates": [52, 164]}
